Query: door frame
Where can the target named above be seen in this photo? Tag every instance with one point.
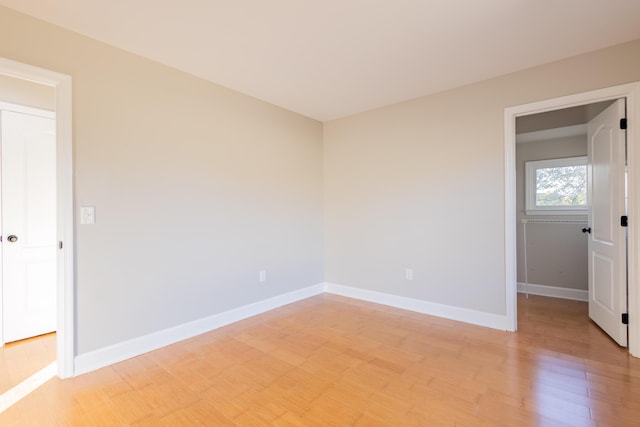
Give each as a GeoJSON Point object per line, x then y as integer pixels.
{"type": "Point", "coordinates": [629, 91]}
{"type": "Point", "coordinates": [65, 332]}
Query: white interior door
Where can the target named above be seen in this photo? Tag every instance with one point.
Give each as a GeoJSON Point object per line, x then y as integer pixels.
{"type": "Point", "coordinates": [28, 224]}
{"type": "Point", "coordinates": [607, 241]}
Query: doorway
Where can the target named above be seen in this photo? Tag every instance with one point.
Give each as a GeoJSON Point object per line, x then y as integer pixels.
{"type": "Point", "coordinates": [557, 227]}
{"type": "Point", "coordinates": [65, 263]}
{"type": "Point", "coordinates": [631, 93]}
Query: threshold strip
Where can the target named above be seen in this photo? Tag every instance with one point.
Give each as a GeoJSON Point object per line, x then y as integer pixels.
{"type": "Point", "coordinates": [18, 392]}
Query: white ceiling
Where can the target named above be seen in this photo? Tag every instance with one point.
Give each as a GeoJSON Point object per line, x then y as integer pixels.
{"type": "Point", "coordinates": [331, 58]}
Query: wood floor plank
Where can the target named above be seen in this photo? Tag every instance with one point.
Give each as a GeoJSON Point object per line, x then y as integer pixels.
{"type": "Point", "coordinates": [335, 361]}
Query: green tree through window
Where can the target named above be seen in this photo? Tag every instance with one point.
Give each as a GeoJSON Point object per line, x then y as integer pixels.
{"type": "Point", "coordinates": [556, 186]}
{"type": "Point", "coordinates": [561, 186]}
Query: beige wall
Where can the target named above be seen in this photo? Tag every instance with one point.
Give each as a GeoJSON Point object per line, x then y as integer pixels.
{"type": "Point", "coordinates": [556, 253]}
{"type": "Point", "coordinates": [27, 93]}
{"type": "Point", "coordinates": [420, 184]}
{"type": "Point", "coordinates": [196, 188]}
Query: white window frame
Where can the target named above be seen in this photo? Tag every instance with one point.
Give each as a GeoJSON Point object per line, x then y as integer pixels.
{"type": "Point", "coordinates": [530, 187]}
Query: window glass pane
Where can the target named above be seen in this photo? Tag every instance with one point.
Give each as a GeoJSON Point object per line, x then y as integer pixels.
{"type": "Point", "coordinates": [561, 186]}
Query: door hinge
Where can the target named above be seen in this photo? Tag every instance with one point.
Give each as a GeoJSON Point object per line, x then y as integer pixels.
{"type": "Point", "coordinates": [60, 244]}
{"type": "Point", "coordinates": [625, 318]}
{"type": "Point", "coordinates": [623, 123]}
{"type": "Point", "coordinates": [624, 221]}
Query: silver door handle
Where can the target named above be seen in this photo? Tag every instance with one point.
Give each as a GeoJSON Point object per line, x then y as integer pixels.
{"type": "Point", "coordinates": [13, 238]}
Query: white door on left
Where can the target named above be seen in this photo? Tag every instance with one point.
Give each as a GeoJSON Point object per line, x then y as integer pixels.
{"type": "Point", "coordinates": [28, 224]}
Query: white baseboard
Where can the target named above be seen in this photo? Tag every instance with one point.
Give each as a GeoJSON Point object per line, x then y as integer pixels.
{"type": "Point", "coordinates": [106, 356]}
{"type": "Point", "coordinates": [553, 291]}
{"type": "Point", "coordinates": [474, 317]}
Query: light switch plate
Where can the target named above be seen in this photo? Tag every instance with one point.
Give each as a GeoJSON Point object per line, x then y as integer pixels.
{"type": "Point", "coordinates": [87, 215]}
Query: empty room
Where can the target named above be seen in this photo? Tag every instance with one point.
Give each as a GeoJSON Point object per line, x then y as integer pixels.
{"type": "Point", "coordinates": [337, 213]}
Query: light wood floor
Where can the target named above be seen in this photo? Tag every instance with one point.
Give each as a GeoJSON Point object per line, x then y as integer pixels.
{"type": "Point", "coordinates": [20, 360]}
{"type": "Point", "coordinates": [332, 361]}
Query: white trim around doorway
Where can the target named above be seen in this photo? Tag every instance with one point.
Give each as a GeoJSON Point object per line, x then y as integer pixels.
{"type": "Point", "coordinates": [65, 218]}
{"type": "Point", "coordinates": [629, 91]}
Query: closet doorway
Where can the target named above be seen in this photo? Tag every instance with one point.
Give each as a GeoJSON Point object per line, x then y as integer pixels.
{"type": "Point", "coordinates": [555, 171]}
{"type": "Point", "coordinates": [612, 217]}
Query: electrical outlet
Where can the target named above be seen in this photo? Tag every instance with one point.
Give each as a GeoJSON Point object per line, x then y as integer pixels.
{"type": "Point", "coordinates": [408, 274]}
{"type": "Point", "coordinates": [262, 276]}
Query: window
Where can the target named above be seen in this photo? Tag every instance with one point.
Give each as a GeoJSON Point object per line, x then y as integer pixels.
{"type": "Point", "coordinates": [556, 186]}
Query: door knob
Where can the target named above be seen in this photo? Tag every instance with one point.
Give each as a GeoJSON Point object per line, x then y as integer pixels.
{"type": "Point", "coordinates": [13, 238]}
{"type": "Point", "coordinates": [586, 230]}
